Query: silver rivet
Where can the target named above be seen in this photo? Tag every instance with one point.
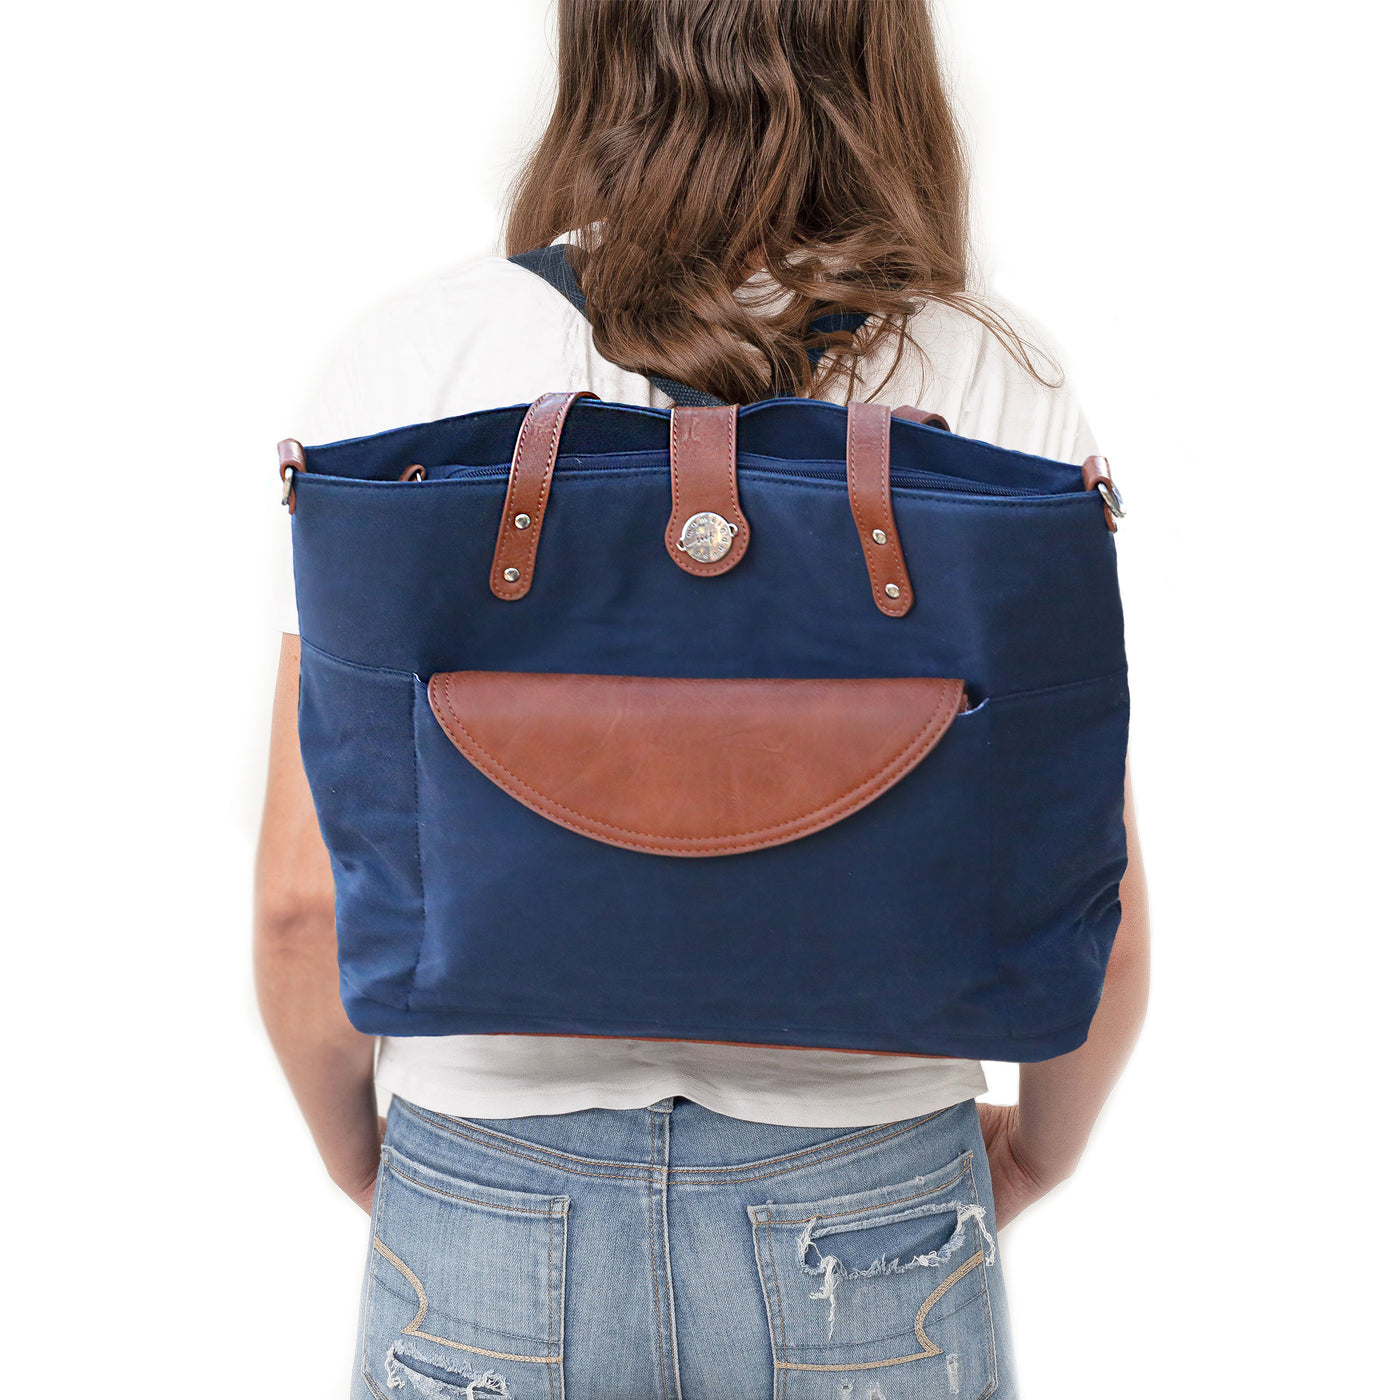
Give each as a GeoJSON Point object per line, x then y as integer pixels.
{"type": "Point", "coordinates": [522, 521]}
{"type": "Point", "coordinates": [892, 589]}
{"type": "Point", "coordinates": [878, 536]}
{"type": "Point", "coordinates": [513, 576]}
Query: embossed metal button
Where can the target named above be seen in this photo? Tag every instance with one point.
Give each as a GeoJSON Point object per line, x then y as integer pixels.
{"type": "Point", "coordinates": [512, 575]}
{"type": "Point", "coordinates": [878, 536]}
{"type": "Point", "coordinates": [707, 536]}
{"type": "Point", "coordinates": [892, 589]}
{"type": "Point", "coordinates": [522, 521]}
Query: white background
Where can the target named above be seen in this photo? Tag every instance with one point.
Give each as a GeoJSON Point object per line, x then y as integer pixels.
{"type": "Point", "coordinates": [1195, 198]}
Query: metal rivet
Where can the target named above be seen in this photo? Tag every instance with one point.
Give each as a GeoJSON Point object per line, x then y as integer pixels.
{"type": "Point", "coordinates": [512, 575]}
{"type": "Point", "coordinates": [892, 589]}
{"type": "Point", "coordinates": [878, 536]}
{"type": "Point", "coordinates": [522, 521]}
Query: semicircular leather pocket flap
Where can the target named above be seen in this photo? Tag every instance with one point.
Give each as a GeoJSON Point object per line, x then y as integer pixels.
{"type": "Point", "coordinates": [692, 767]}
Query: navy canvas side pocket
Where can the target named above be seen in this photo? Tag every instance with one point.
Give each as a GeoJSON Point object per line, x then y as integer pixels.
{"type": "Point", "coordinates": [1059, 852]}
{"type": "Point", "coordinates": [356, 729]}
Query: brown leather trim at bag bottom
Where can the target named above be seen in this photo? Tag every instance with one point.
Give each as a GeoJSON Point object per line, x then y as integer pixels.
{"type": "Point", "coordinates": [692, 767]}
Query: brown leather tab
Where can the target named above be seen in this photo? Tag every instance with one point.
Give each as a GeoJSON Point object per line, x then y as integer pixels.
{"type": "Point", "coordinates": [527, 494]}
{"type": "Point", "coordinates": [290, 460]}
{"type": "Point", "coordinates": [705, 511]}
{"type": "Point", "coordinates": [922, 415]}
{"type": "Point", "coordinates": [1096, 474]}
{"type": "Point", "coordinates": [868, 482]}
{"type": "Point", "coordinates": [692, 767]}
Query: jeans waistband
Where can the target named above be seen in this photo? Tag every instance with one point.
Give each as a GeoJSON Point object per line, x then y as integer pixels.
{"type": "Point", "coordinates": [698, 1143]}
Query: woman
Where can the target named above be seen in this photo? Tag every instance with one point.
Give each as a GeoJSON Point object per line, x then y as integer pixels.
{"type": "Point", "coordinates": [640, 1216]}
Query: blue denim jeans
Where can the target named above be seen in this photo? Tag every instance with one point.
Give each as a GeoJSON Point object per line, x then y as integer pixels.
{"type": "Point", "coordinates": [673, 1253]}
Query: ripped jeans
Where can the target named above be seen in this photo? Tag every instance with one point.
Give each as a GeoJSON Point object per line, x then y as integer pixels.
{"type": "Point", "coordinates": [674, 1253]}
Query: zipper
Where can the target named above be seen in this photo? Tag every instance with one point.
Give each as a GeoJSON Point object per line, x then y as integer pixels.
{"type": "Point", "coordinates": [934, 481]}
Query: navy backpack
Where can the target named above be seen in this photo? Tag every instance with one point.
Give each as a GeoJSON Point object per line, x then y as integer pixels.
{"type": "Point", "coordinates": [787, 725]}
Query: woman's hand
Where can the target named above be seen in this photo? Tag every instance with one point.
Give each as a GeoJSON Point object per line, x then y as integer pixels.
{"type": "Point", "coordinates": [363, 1193]}
{"type": "Point", "coordinates": [1035, 1144]}
{"type": "Point", "coordinates": [1015, 1182]}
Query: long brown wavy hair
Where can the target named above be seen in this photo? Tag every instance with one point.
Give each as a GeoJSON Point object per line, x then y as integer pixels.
{"type": "Point", "coordinates": [696, 141]}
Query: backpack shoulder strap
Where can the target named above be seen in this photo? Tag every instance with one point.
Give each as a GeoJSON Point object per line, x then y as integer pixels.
{"type": "Point", "coordinates": [553, 265]}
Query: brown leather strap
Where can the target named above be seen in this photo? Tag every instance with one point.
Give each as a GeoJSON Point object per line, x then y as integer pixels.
{"type": "Point", "coordinates": [1096, 474]}
{"type": "Point", "coordinates": [922, 415]}
{"type": "Point", "coordinates": [290, 460]}
{"type": "Point", "coordinates": [705, 511]}
{"type": "Point", "coordinates": [868, 481]}
{"type": "Point", "coordinates": [527, 494]}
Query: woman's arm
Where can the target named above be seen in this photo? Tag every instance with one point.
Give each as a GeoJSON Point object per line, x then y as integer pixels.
{"type": "Point", "coordinates": [329, 1064]}
{"type": "Point", "coordinates": [1035, 1144]}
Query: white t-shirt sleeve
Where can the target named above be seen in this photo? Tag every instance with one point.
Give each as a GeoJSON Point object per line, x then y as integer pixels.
{"type": "Point", "coordinates": [377, 375]}
{"type": "Point", "coordinates": [1007, 405]}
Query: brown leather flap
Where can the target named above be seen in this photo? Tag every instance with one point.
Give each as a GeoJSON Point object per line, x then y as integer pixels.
{"type": "Point", "coordinates": [692, 767]}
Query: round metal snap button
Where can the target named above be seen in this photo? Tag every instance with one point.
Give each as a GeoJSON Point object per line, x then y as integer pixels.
{"type": "Point", "coordinates": [707, 536]}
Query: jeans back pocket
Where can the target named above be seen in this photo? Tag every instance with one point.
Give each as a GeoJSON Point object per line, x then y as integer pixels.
{"type": "Point", "coordinates": [466, 1290]}
{"type": "Point", "coordinates": [880, 1283]}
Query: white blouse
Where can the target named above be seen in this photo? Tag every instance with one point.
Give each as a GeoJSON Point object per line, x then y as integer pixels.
{"type": "Point", "coordinates": [486, 333]}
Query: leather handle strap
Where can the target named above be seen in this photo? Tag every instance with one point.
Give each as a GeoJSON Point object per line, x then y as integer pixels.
{"type": "Point", "coordinates": [527, 493]}
{"type": "Point", "coordinates": [708, 532]}
{"type": "Point", "coordinates": [872, 505]}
